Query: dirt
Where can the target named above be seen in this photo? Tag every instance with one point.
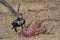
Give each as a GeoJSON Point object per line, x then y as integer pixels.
{"type": "Point", "coordinates": [36, 10]}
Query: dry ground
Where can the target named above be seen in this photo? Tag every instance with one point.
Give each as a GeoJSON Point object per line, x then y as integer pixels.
{"type": "Point", "coordinates": [48, 9]}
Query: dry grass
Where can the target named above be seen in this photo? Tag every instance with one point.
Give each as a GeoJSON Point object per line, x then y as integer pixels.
{"type": "Point", "coordinates": [48, 10]}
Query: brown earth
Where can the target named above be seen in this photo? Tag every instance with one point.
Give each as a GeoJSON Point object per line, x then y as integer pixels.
{"type": "Point", "coordinates": [43, 9]}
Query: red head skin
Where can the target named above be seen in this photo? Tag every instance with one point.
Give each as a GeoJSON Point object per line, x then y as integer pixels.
{"type": "Point", "coordinates": [20, 15]}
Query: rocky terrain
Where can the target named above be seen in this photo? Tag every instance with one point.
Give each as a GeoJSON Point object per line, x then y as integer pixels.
{"type": "Point", "coordinates": [37, 10]}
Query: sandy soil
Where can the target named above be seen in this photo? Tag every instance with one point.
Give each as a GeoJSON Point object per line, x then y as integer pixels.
{"type": "Point", "coordinates": [43, 9]}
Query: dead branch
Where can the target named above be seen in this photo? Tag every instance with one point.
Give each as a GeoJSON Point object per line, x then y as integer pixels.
{"type": "Point", "coordinates": [30, 23]}
{"type": "Point", "coordinates": [18, 8]}
{"type": "Point", "coordinates": [46, 20]}
{"type": "Point", "coordinates": [8, 6]}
